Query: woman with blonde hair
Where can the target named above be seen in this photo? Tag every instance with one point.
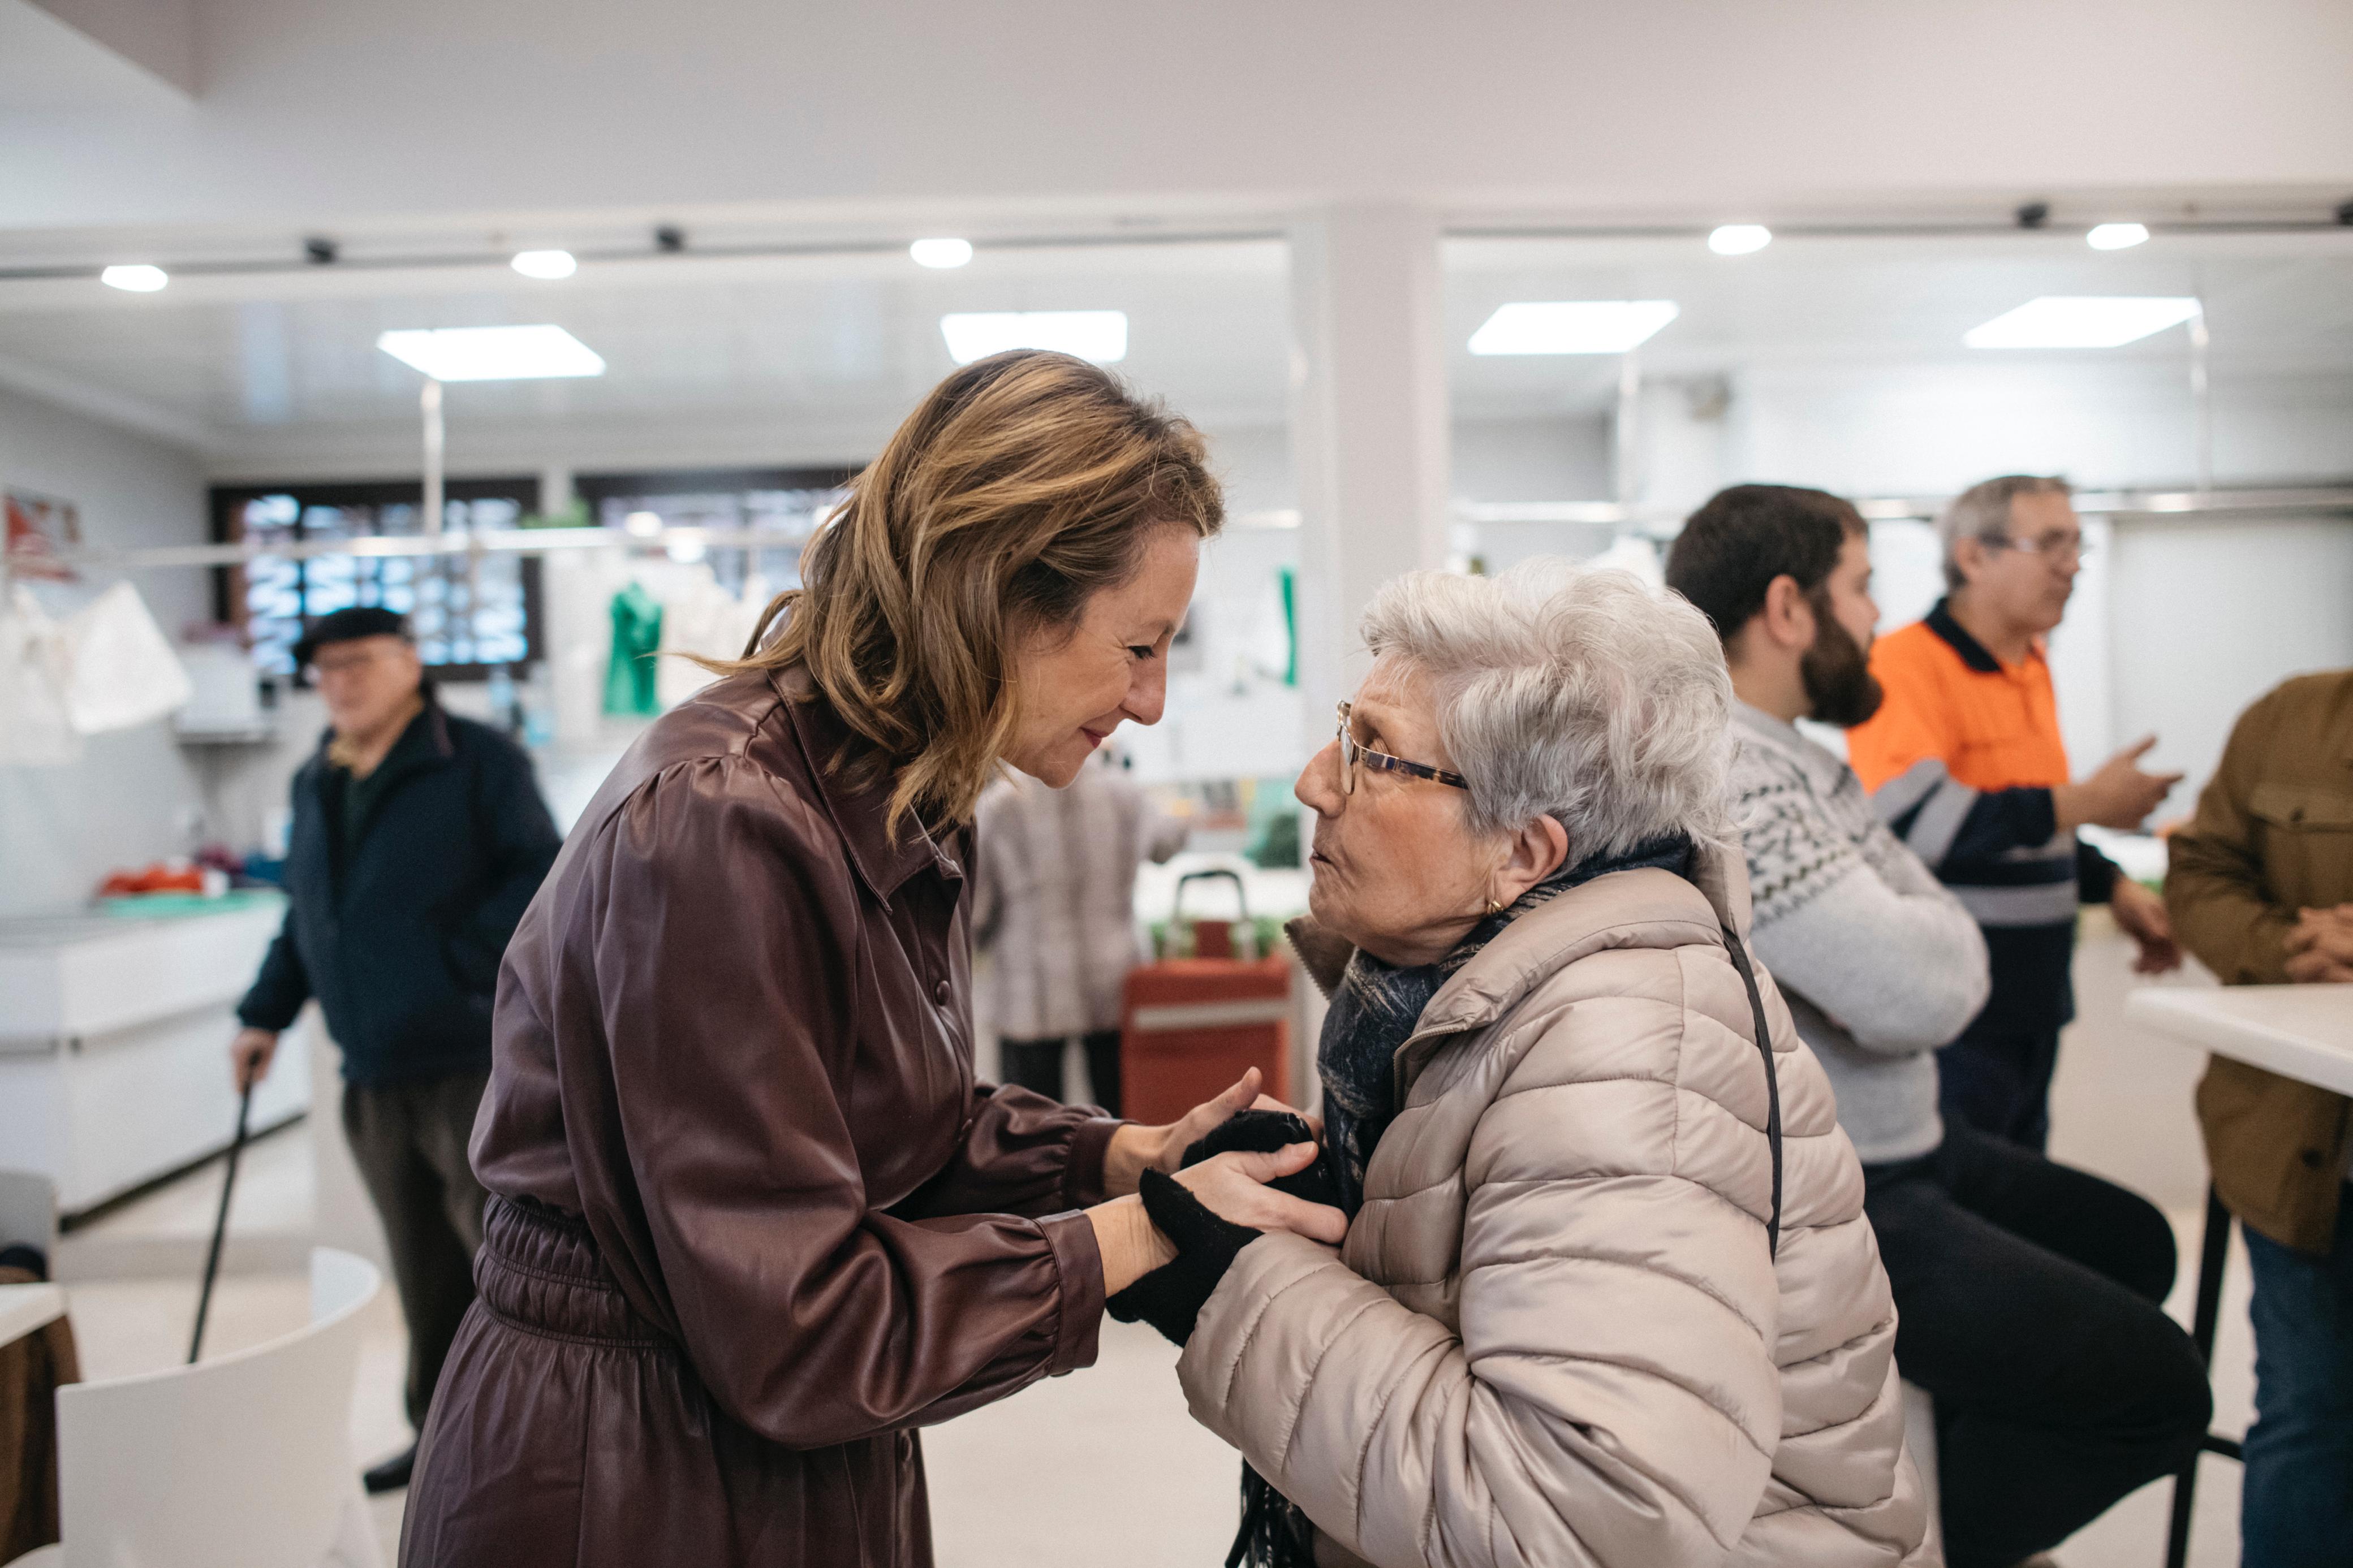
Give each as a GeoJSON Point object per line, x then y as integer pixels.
{"type": "Point", "coordinates": [752, 1220]}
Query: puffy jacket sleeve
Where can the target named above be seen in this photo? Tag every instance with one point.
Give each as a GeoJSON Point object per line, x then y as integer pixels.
{"type": "Point", "coordinates": [716, 954]}
{"type": "Point", "coordinates": [1612, 1398]}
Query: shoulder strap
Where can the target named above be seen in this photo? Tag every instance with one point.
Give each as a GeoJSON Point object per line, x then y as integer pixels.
{"type": "Point", "coordinates": [1772, 1081]}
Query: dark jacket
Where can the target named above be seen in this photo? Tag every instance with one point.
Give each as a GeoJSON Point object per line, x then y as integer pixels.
{"type": "Point", "coordinates": [753, 1221]}
{"type": "Point", "coordinates": [400, 938]}
{"type": "Point", "coordinates": [2273, 833]}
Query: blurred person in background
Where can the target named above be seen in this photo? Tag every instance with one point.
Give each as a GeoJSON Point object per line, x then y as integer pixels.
{"type": "Point", "coordinates": [1608, 1296]}
{"type": "Point", "coordinates": [1963, 760]}
{"type": "Point", "coordinates": [1054, 903]}
{"type": "Point", "coordinates": [2030, 1295]}
{"type": "Point", "coordinates": [2261, 888]}
{"type": "Point", "coordinates": [419, 838]}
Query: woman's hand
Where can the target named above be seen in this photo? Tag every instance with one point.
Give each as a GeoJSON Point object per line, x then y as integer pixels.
{"type": "Point", "coordinates": [1134, 1150]}
{"type": "Point", "coordinates": [1233, 1188]}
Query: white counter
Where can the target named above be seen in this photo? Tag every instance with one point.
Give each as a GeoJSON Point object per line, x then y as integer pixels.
{"type": "Point", "coordinates": [25, 1308]}
{"type": "Point", "coordinates": [114, 1038]}
{"type": "Point", "coordinates": [2303, 1032]}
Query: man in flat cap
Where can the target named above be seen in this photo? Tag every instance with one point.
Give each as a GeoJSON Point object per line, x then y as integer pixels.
{"type": "Point", "coordinates": [418, 839]}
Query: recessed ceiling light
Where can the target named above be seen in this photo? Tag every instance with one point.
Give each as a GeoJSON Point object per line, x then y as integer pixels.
{"type": "Point", "coordinates": [2081, 321]}
{"type": "Point", "coordinates": [548, 264]}
{"type": "Point", "coordinates": [1572, 326]}
{"type": "Point", "coordinates": [1097, 335]}
{"type": "Point", "coordinates": [493, 353]}
{"type": "Point", "coordinates": [941, 253]}
{"type": "Point", "coordinates": [1739, 238]}
{"type": "Point", "coordinates": [2116, 236]}
{"type": "Point", "coordinates": [137, 278]}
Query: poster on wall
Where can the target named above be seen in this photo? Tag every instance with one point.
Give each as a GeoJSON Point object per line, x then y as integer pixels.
{"type": "Point", "coordinates": [39, 528]}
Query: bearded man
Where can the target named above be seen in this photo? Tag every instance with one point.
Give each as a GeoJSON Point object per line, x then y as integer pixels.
{"type": "Point", "coordinates": [2028, 1293]}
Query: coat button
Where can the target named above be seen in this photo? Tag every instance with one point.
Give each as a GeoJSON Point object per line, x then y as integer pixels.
{"type": "Point", "coordinates": [942, 992]}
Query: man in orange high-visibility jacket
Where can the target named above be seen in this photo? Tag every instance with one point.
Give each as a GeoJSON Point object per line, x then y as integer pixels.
{"type": "Point", "coordinates": [1963, 761]}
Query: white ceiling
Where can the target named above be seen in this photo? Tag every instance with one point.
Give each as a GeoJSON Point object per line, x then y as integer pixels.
{"type": "Point", "coordinates": [2276, 305]}
{"type": "Point", "coordinates": [813, 357]}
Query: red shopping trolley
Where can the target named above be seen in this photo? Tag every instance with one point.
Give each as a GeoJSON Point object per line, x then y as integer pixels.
{"type": "Point", "coordinates": [1206, 1010]}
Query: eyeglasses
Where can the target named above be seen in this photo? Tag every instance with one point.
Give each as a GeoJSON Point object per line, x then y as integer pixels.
{"type": "Point", "coordinates": [343, 663]}
{"type": "Point", "coordinates": [2050, 547]}
{"type": "Point", "coordinates": [1352, 753]}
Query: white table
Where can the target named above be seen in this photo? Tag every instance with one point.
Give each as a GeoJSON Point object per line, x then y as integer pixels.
{"type": "Point", "coordinates": [26, 1307]}
{"type": "Point", "coordinates": [2303, 1032]}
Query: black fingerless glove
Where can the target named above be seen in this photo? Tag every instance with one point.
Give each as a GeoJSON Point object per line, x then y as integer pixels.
{"type": "Point", "coordinates": [1263, 1132]}
{"type": "Point", "coordinates": [1171, 1297]}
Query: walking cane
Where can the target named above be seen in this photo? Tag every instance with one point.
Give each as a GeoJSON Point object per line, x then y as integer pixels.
{"type": "Point", "coordinates": [220, 1227]}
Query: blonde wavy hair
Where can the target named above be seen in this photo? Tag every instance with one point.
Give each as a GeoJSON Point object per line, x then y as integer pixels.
{"type": "Point", "coordinates": [1021, 486]}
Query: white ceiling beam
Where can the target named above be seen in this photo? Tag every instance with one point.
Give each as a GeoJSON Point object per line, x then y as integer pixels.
{"type": "Point", "coordinates": [114, 407]}
{"type": "Point", "coordinates": [159, 37]}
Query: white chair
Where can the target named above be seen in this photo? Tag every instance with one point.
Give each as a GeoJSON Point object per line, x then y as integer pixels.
{"type": "Point", "coordinates": [1920, 1441]}
{"type": "Point", "coordinates": [242, 1462]}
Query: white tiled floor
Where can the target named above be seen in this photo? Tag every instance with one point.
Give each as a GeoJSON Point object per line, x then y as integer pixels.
{"type": "Point", "coordinates": [1105, 1465]}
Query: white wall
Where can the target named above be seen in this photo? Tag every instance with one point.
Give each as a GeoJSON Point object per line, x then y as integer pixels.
{"type": "Point", "coordinates": [2175, 627]}
{"type": "Point", "coordinates": [308, 110]}
{"type": "Point", "coordinates": [2205, 617]}
{"type": "Point", "coordinates": [1531, 459]}
{"type": "Point", "coordinates": [1934, 428]}
{"type": "Point", "coordinates": [125, 803]}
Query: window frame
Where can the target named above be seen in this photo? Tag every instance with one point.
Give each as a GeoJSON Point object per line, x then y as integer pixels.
{"type": "Point", "coordinates": [228, 588]}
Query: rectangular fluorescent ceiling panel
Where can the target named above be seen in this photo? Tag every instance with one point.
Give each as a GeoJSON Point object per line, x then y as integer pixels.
{"type": "Point", "coordinates": [493, 353]}
{"type": "Point", "coordinates": [2081, 321]}
{"type": "Point", "coordinates": [1097, 335]}
{"type": "Point", "coordinates": [1572, 326]}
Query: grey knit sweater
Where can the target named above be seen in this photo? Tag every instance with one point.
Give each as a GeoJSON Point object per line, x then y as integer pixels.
{"type": "Point", "coordinates": [1879, 963]}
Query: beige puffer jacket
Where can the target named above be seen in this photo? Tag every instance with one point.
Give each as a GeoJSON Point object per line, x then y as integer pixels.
{"type": "Point", "coordinates": [1554, 1336]}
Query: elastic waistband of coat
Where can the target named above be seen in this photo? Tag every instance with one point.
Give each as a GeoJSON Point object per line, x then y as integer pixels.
{"type": "Point", "coordinates": [542, 1272]}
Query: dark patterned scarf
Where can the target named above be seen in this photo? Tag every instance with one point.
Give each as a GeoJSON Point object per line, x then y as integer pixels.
{"type": "Point", "coordinates": [1375, 1010]}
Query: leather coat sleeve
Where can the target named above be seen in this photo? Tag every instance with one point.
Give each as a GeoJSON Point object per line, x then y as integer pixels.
{"type": "Point", "coordinates": [1021, 1154]}
{"type": "Point", "coordinates": [721, 961]}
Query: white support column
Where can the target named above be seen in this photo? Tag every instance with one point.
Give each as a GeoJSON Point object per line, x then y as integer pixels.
{"type": "Point", "coordinates": [1368, 428]}
{"type": "Point", "coordinates": [555, 489]}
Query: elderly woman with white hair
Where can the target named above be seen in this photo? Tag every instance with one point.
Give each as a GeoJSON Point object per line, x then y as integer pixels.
{"type": "Point", "coordinates": [1608, 1296]}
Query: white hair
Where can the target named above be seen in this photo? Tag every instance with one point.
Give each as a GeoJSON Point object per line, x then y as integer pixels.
{"type": "Point", "coordinates": [1579, 693]}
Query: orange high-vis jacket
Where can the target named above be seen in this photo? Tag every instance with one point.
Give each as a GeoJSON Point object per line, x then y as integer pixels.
{"type": "Point", "coordinates": [1992, 726]}
{"type": "Point", "coordinates": [1960, 760]}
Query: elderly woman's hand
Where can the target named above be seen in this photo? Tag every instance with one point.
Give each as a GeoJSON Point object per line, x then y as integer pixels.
{"type": "Point", "coordinates": [1134, 1150]}
{"type": "Point", "coordinates": [1198, 1222]}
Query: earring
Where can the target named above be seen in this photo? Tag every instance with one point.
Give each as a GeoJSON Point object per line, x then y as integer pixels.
{"type": "Point", "coordinates": [1494, 908]}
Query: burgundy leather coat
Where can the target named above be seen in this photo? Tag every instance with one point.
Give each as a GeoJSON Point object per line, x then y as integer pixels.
{"type": "Point", "coordinates": [752, 1222]}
